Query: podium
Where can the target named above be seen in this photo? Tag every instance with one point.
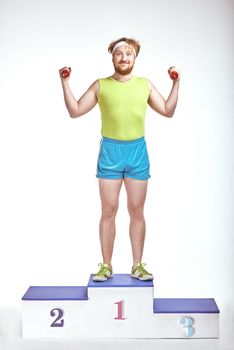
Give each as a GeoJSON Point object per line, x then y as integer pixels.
{"type": "Point", "coordinates": [121, 307]}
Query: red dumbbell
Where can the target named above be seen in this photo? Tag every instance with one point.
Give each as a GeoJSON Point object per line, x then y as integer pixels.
{"type": "Point", "coordinates": [66, 72]}
{"type": "Point", "coordinates": [174, 75]}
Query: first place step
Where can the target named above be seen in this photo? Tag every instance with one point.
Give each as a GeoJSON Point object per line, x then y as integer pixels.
{"type": "Point", "coordinates": [121, 307]}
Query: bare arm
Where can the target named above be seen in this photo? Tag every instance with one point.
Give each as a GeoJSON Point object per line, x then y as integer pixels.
{"type": "Point", "coordinates": [86, 102]}
{"type": "Point", "coordinates": [159, 104]}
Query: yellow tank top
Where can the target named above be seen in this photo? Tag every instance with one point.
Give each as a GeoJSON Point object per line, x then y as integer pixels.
{"type": "Point", "coordinates": [123, 107]}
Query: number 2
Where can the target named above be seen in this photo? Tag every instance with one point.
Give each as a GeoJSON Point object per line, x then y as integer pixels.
{"type": "Point", "coordinates": [58, 322]}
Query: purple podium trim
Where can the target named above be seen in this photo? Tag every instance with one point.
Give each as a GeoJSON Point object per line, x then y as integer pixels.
{"type": "Point", "coordinates": [119, 280]}
{"type": "Point", "coordinates": [196, 306]}
{"type": "Point", "coordinates": [56, 293]}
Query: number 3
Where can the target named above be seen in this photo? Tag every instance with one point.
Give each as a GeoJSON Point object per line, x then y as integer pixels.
{"type": "Point", "coordinates": [187, 326]}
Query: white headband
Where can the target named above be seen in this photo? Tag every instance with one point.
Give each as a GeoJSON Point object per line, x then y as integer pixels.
{"type": "Point", "coordinates": [122, 43]}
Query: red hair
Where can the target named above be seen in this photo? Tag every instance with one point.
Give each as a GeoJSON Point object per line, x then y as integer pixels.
{"type": "Point", "coordinates": [134, 43]}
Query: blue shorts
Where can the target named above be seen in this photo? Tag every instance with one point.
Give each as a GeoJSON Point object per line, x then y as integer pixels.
{"type": "Point", "coordinates": [118, 159]}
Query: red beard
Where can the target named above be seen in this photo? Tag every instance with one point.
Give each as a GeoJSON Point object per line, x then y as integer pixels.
{"type": "Point", "coordinates": [123, 71]}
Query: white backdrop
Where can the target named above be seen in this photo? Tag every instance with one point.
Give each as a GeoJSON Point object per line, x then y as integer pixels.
{"type": "Point", "coordinates": [49, 199]}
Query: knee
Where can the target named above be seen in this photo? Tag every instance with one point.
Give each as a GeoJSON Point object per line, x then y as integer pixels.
{"type": "Point", "coordinates": [136, 212]}
{"type": "Point", "coordinates": [109, 212]}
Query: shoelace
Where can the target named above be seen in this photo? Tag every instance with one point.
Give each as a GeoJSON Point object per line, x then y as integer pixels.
{"type": "Point", "coordinates": [142, 270]}
{"type": "Point", "coordinates": [103, 269]}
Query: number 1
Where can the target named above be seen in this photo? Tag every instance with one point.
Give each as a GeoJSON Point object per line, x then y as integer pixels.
{"type": "Point", "coordinates": [120, 315]}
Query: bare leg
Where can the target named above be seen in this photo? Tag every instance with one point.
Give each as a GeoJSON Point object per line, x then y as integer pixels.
{"type": "Point", "coordinates": [109, 194]}
{"type": "Point", "coordinates": [136, 194]}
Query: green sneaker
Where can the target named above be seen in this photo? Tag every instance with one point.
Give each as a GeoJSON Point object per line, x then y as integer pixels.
{"type": "Point", "coordinates": [140, 273]}
{"type": "Point", "coordinates": [104, 273]}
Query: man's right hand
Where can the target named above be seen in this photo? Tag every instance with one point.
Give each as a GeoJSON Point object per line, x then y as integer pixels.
{"type": "Point", "coordinates": [65, 73]}
{"type": "Point", "coordinates": [174, 73]}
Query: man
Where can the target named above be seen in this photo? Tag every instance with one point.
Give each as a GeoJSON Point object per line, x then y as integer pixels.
{"type": "Point", "coordinates": [123, 156]}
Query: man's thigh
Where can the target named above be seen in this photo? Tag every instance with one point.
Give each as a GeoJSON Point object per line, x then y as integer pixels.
{"type": "Point", "coordinates": [136, 191]}
{"type": "Point", "coordinates": [109, 191]}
